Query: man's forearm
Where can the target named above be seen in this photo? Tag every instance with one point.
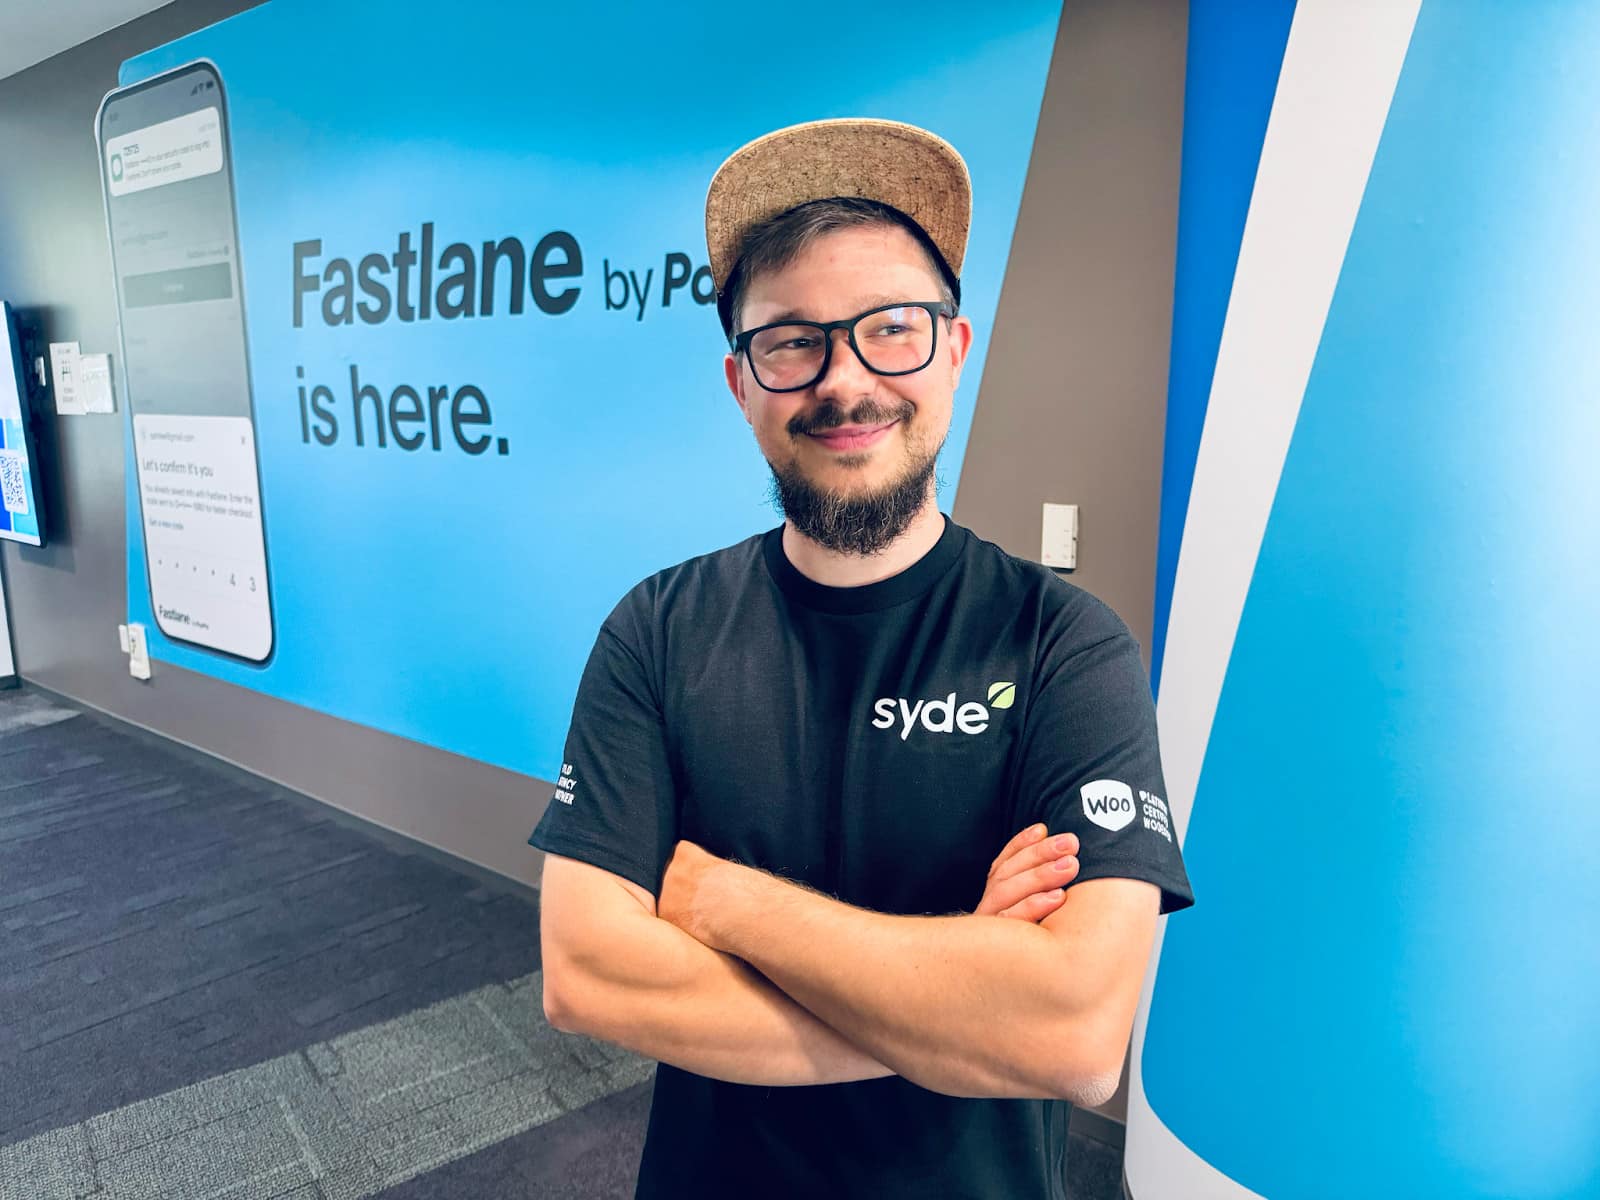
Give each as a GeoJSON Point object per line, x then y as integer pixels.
{"type": "Point", "coordinates": [967, 1005]}
{"type": "Point", "coordinates": [657, 991]}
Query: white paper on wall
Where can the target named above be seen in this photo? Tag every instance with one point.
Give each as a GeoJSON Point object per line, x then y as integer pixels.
{"type": "Point", "coordinates": [64, 370]}
{"type": "Point", "coordinates": [94, 383]}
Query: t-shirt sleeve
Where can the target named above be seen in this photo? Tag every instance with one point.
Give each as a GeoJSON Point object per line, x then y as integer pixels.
{"type": "Point", "coordinates": [614, 804]}
{"type": "Point", "coordinates": [1091, 764]}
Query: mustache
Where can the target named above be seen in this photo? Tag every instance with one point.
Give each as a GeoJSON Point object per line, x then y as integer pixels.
{"type": "Point", "coordinates": [831, 416]}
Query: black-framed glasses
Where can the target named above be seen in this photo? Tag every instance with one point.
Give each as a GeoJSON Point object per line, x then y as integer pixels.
{"type": "Point", "coordinates": [894, 339]}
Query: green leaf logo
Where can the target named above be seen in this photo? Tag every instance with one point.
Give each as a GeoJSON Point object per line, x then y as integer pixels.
{"type": "Point", "coordinates": [1002, 695]}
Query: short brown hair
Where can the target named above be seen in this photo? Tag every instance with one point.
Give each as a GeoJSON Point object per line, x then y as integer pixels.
{"type": "Point", "coordinates": [777, 241]}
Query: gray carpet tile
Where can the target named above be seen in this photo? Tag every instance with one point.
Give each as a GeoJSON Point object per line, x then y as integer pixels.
{"type": "Point", "coordinates": [590, 1155]}
{"type": "Point", "coordinates": [343, 1119]}
{"type": "Point", "coordinates": [165, 919]}
{"type": "Point", "coordinates": [24, 709]}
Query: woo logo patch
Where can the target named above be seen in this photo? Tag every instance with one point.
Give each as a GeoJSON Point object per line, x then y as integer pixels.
{"type": "Point", "coordinates": [1108, 803]}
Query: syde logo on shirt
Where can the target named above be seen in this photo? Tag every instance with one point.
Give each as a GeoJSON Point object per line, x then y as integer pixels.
{"type": "Point", "coordinates": [942, 716]}
{"type": "Point", "coordinates": [1108, 803]}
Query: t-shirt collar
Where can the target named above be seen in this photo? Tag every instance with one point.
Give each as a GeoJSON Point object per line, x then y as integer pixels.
{"type": "Point", "coordinates": [867, 597]}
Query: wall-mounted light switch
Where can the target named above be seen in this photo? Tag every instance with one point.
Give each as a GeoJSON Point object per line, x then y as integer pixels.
{"type": "Point", "coordinates": [1060, 546]}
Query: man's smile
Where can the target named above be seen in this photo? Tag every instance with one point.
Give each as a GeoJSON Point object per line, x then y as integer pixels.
{"type": "Point", "coordinates": [852, 437]}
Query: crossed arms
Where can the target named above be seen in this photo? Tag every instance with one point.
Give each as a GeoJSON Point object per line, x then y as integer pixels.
{"type": "Point", "coordinates": [741, 975]}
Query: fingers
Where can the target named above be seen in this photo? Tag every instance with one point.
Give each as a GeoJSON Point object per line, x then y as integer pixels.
{"type": "Point", "coordinates": [1032, 854]}
{"type": "Point", "coordinates": [1045, 878]}
{"type": "Point", "coordinates": [1036, 907]}
{"type": "Point", "coordinates": [1004, 894]}
{"type": "Point", "coordinates": [1027, 837]}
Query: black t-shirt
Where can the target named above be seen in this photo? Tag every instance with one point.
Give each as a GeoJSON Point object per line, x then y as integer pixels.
{"type": "Point", "coordinates": [879, 743]}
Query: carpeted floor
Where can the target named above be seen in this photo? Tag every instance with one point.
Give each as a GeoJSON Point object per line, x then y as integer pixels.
{"type": "Point", "coordinates": [209, 984]}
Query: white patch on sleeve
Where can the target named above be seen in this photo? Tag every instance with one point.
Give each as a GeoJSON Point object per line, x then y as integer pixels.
{"type": "Point", "coordinates": [1108, 803]}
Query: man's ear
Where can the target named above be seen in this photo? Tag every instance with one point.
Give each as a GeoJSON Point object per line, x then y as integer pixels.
{"type": "Point", "coordinates": [735, 377]}
{"type": "Point", "coordinates": [960, 342]}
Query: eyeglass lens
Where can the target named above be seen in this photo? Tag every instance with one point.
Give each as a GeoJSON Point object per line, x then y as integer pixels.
{"type": "Point", "coordinates": [891, 340]}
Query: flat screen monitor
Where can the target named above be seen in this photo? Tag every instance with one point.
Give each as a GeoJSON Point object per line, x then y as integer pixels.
{"type": "Point", "coordinates": [21, 508]}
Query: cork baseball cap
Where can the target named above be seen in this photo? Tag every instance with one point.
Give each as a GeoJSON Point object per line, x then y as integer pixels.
{"type": "Point", "coordinates": [901, 165]}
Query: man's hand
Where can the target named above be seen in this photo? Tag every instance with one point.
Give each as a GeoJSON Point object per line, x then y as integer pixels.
{"type": "Point", "coordinates": [688, 889]}
{"type": "Point", "coordinates": [1027, 880]}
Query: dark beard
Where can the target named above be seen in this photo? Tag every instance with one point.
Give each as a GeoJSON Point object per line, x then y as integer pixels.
{"type": "Point", "coordinates": [858, 524]}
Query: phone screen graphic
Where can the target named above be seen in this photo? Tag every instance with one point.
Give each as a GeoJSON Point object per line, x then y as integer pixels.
{"type": "Point", "coordinates": [168, 183]}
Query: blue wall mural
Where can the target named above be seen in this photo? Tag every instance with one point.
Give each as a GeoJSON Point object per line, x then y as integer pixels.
{"type": "Point", "coordinates": [448, 594]}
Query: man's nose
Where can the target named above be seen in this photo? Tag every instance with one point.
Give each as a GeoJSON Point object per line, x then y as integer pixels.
{"type": "Point", "coordinates": [846, 373]}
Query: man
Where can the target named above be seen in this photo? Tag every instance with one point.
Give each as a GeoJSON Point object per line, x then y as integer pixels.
{"type": "Point", "coordinates": [772, 860]}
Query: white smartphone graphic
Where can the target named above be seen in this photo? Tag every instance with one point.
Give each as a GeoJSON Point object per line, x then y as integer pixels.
{"type": "Point", "coordinates": [167, 178]}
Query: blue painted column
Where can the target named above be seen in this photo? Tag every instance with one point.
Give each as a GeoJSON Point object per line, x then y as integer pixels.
{"type": "Point", "coordinates": [1380, 688]}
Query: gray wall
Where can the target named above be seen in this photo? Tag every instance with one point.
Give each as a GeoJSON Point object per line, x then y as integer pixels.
{"type": "Point", "coordinates": [1074, 389]}
{"type": "Point", "coordinates": [1072, 408]}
